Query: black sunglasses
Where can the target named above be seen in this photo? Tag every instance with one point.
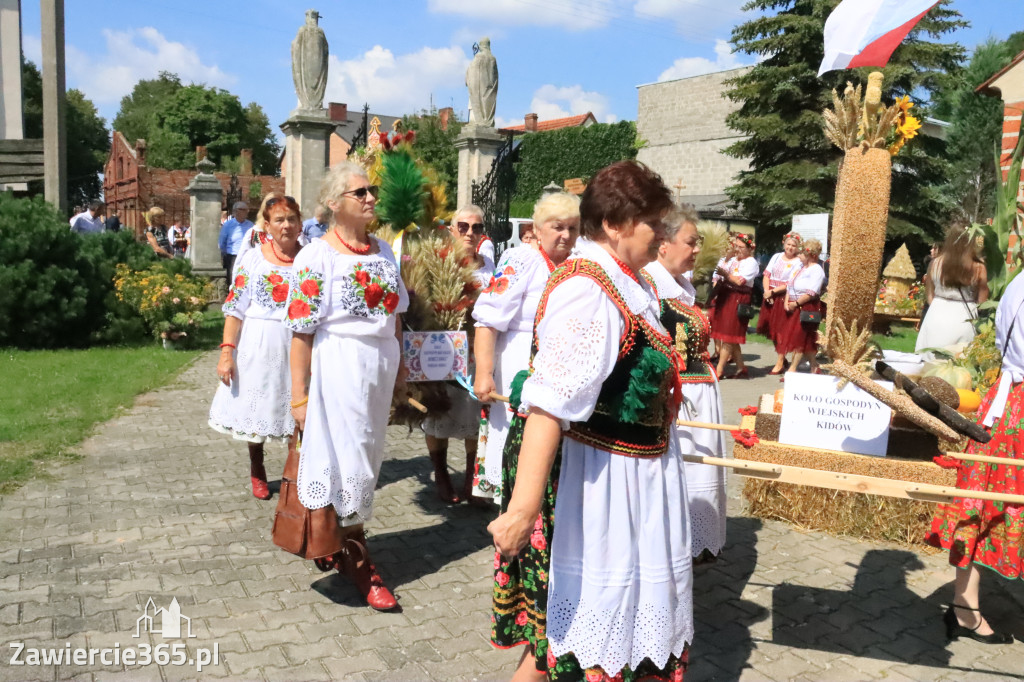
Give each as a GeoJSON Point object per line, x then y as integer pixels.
{"type": "Point", "coordinates": [277, 199]}
{"type": "Point", "coordinates": [478, 228]}
{"type": "Point", "coordinates": [361, 192]}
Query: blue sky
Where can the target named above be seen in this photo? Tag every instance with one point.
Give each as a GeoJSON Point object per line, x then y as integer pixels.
{"type": "Point", "coordinates": [555, 57]}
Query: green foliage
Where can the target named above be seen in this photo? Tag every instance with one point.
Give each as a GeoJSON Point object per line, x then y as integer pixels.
{"type": "Point", "coordinates": [56, 287]}
{"type": "Point", "coordinates": [976, 128]}
{"type": "Point", "coordinates": [88, 140]}
{"type": "Point", "coordinates": [792, 166]}
{"type": "Point", "coordinates": [436, 147]}
{"type": "Point", "coordinates": [174, 119]}
{"type": "Point", "coordinates": [1006, 223]}
{"type": "Point", "coordinates": [559, 155]}
{"type": "Point", "coordinates": [170, 303]}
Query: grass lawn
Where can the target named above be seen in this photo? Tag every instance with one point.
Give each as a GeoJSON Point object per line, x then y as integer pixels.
{"type": "Point", "coordinates": [52, 399]}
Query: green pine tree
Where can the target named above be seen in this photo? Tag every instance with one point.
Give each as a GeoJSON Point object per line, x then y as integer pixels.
{"type": "Point", "coordinates": [792, 167]}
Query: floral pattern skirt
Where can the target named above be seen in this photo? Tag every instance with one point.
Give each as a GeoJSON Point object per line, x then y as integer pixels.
{"type": "Point", "coordinates": [979, 531]}
{"type": "Point", "coordinates": [520, 596]}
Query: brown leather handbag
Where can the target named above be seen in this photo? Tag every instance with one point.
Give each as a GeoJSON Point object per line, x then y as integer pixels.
{"type": "Point", "coordinates": [308, 533]}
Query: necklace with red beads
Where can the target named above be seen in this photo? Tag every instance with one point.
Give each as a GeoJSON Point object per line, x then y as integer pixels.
{"type": "Point", "coordinates": [277, 254]}
{"type": "Point", "coordinates": [358, 250]}
{"type": "Point", "coordinates": [625, 268]}
{"type": "Point", "coordinates": [547, 258]}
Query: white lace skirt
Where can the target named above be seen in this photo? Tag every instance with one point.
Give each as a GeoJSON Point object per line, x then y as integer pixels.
{"type": "Point", "coordinates": [705, 485]}
{"type": "Point", "coordinates": [512, 354]}
{"type": "Point", "coordinates": [621, 584]}
{"type": "Point", "coordinates": [257, 406]}
{"type": "Point", "coordinates": [353, 379]}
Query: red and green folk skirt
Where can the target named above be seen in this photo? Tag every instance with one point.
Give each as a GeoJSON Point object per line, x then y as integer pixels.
{"type": "Point", "coordinates": [520, 597]}
{"type": "Point", "coordinates": [979, 531]}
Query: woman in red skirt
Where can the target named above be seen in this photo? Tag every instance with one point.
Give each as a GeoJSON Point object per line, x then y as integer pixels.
{"type": "Point", "coordinates": [981, 532]}
{"type": "Point", "coordinates": [727, 326]}
{"type": "Point", "coordinates": [803, 294]}
{"type": "Point", "coordinates": [780, 270]}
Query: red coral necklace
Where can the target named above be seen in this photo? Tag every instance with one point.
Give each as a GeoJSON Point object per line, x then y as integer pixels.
{"type": "Point", "coordinates": [547, 258]}
{"type": "Point", "coordinates": [358, 250]}
{"type": "Point", "coordinates": [625, 268]}
{"type": "Point", "coordinates": [277, 254]}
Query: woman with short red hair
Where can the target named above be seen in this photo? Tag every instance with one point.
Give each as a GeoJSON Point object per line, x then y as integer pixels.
{"type": "Point", "coordinates": [251, 403]}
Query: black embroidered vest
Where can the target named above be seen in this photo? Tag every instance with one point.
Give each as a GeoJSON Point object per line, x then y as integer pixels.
{"type": "Point", "coordinates": [635, 409]}
{"type": "Point", "coordinates": [691, 329]}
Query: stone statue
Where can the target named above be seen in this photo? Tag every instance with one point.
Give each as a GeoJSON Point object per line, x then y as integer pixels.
{"type": "Point", "coordinates": [482, 81]}
{"type": "Point", "coordinates": [309, 63]}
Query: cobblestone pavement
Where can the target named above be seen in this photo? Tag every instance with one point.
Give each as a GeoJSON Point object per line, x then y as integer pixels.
{"type": "Point", "coordinates": [159, 507]}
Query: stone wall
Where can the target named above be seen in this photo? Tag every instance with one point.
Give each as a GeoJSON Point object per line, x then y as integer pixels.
{"type": "Point", "coordinates": [683, 122]}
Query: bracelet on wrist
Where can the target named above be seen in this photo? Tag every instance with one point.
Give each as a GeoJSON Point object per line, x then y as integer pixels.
{"type": "Point", "coordinates": [301, 402]}
{"type": "Point", "coordinates": [229, 345]}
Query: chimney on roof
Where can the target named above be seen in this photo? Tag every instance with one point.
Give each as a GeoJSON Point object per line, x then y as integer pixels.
{"type": "Point", "coordinates": [530, 123]}
{"type": "Point", "coordinates": [245, 162]}
{"type": "Point", "coordinates": [338, 111]}
{"type": "Point", "coordinates": [140, 151]}
{"type": "Point", "coordinates": [445, 115]}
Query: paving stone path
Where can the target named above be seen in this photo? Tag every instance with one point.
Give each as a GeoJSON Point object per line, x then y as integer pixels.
{"type": "Point", "coordinates": [159, 508]}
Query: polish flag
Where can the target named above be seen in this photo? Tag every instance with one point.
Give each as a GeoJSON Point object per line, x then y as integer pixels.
{"type": "Point", "coordinates": [865, 32]}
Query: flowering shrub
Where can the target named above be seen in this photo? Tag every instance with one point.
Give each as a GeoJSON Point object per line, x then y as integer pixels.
{"type": "Point", "coordinates": [171, 304]}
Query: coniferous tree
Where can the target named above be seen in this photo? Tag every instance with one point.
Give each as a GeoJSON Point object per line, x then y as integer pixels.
{"type": "Point", "coordinates": [792, 167]}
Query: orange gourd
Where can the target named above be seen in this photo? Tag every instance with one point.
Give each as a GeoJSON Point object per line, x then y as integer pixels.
{"type": "Point", "coordinates": [969, 400]}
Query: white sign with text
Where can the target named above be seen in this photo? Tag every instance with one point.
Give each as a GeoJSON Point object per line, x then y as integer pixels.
{"type": "Point", "coordinates": [813, 226]}
{"type": "Point", "coordinates": [816, 414]}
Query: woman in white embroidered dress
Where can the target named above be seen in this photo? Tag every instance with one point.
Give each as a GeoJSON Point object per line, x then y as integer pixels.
{"type": "Point", "coordinates": [620, 596]}
{"type": "Point", "coordinates": [344, 310]}
{"type": "Point", "coordinates": [702, 400]}
{"type": "Point", "coordinates": [780, 270]}
{"type": "Point", "coordinates": [957, 282]}
{"type": "Point", "coordinates": [803, 294]}
{"type": "Point", "coordinates": [251, 403]}
{"type": "Point", "coordinates": [462, 419]}
{"type": "Point", "coordinates": [504, 315]}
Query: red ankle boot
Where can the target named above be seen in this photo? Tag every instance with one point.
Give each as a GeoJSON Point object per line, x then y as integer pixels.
{"type": "Point", "coordinates": [355, 562]}
{"type": "Point", "coordinates": [258, 478]}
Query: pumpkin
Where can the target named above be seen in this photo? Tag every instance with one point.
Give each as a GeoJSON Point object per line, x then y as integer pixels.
{"type": "Point", "coordinates": [957, 377]}
{"type": "Point", "coordinates": [970, 401]}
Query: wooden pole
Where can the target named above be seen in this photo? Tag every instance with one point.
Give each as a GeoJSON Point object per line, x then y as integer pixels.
{"type": "Point", "coordinates": [869, 485]}
{"type": "Point", "coordinates": [417, 404]}
{"type": "Point", "coordinates": [1006, 461]}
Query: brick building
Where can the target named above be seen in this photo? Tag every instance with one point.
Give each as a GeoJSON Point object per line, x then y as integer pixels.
{"type": "Point", "coordinates": [132, 187]}
{"type": "Point", "coordinates": [1008, 85]}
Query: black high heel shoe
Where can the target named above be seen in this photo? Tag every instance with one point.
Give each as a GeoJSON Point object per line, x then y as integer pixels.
{"type": "Point", "coordinates": [954, 630]}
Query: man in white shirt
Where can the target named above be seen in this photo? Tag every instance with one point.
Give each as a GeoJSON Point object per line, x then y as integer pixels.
{"type": "Point", "coordinates": [89, 221]}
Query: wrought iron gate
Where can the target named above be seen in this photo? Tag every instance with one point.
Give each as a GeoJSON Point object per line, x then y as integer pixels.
{"type": "Point", "coordinates": [494, 194]}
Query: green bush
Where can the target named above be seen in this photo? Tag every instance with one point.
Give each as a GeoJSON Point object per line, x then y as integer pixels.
{"type": "Point", "coordinates": [558, 155]}
{"type": "Point", "coordinates": [56, 287]}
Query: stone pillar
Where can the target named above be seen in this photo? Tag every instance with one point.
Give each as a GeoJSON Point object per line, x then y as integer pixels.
{"type": "Point", "coordinates": [55, 158]}
{"type": "Point", "coordinates": [305, 157]}
{"type": "Point", "coordinates": [478, 147]}
{"type": "Point", "coordinates": [12, 124]}
{"type": "Point", "coordinates": [205, 200]}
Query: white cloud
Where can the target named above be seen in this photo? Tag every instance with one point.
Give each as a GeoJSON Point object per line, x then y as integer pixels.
{"type": "Point", "coordinates": [550, 101]}
{"type": "Point", "coordinates": [574, 15]}
{"type": "Point", "coordinates": [130, 56]}
{"type": "Point", "coordinates": [695, 66]}
{"type": "Point", "coordinates": [396, 85]}
{"type": "Point", "coordinates": [695, 19]}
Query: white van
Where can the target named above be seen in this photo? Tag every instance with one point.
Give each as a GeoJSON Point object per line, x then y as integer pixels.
{"type": "Point", "coordinates": [516, 222]}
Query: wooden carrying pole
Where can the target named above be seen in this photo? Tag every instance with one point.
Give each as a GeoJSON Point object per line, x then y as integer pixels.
{"type": "Point", "coordinates": [856, 483]}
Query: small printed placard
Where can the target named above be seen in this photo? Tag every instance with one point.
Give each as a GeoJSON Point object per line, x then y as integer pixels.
{"type": "Point", "coordinates": [435, 356]}
{"type": "Point", "coordinates": [816, 414]}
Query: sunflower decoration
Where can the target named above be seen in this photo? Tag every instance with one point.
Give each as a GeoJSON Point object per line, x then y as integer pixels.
{"type": "Point", "coordinates": [906, 125]}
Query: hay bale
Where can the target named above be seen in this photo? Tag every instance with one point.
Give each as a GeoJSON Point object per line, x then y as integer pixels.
{"type": "Point", "coordinates": [868, 517]}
